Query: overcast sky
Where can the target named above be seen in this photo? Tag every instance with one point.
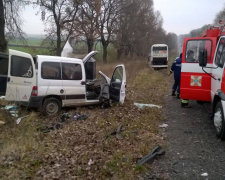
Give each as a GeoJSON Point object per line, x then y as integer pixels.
{"type": "Point", "coordinates": [180, 16]}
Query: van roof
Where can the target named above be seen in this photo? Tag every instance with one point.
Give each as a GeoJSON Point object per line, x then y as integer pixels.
{"type": "Point", "coordinates": [55, 58]}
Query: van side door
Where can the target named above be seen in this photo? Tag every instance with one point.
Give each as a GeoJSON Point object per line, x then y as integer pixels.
{"type": "Point", "coordinates": [50, 77]}
{"type": "Point", "coordinates": [73, 78]}
{"type": "Point", "coordinates": [21, 76]}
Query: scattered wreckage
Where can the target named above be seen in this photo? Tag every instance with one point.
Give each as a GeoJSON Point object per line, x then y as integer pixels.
{"type": "Point", "coordinates": [49, 83]}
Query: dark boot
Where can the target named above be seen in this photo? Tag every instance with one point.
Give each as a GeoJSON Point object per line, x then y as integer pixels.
{"type": "Point", "coordinates": [173, 93]}
{"type": "Point", "coordinates": [178, 96]}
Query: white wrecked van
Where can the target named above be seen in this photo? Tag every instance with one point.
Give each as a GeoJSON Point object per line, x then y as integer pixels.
{"type": "Point", "coordinates": [50, 82]}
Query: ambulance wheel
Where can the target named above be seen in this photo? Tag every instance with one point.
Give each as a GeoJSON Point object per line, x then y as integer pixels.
{"type": "Point", "coordinates": [51, 106]}
{"type": "Point", "coordinates": [218, 120]}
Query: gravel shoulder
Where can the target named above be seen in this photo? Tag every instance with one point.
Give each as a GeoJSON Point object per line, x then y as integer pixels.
{"type": "Point", "coordinates": [192, 146]}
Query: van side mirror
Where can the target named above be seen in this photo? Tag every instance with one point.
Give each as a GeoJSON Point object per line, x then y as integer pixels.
{"type": "Point", "coordinates": [203, 58]}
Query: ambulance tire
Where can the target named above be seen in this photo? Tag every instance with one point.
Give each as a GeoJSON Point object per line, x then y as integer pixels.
{"type": "Point", "coordinates": [218, 113]}
{"type": "Point", "coordinates": [51, 106]}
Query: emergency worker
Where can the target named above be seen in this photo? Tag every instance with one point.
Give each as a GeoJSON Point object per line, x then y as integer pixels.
{"type": "Point", "coordinates": [176, 70]}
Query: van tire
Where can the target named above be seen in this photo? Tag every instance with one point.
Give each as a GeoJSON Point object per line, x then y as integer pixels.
{"type": "Point", "coordinates": [51, 106]}
{"type": "Point", "coordinates": [218, 120]}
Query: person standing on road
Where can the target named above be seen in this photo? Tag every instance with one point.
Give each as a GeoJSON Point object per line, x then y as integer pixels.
{"type": "Point", "coordinates": [176, 70]}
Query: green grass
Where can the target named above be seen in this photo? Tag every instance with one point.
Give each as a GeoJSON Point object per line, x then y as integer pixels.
{"type": "Point", "coordinates": [33, 51]}
{"type": "Point", "coordinates": [29, 41]}
{"type": "Point", "coordinates": [81, 48]}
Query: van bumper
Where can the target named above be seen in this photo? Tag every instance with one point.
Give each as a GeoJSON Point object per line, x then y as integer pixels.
{"type": "Point", "coordinates": [35, 102]}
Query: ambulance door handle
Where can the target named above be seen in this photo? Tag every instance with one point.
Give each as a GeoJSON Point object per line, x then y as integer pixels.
{"type": "Point", "coordinates": [8, 79]}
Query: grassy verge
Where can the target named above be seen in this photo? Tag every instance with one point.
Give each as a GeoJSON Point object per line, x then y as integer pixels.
{"type": "Point", "coordinates": [65, 153]}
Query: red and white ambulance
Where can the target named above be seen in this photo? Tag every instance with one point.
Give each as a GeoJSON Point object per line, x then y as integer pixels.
{"type": "Point", "coordinates": [202, 73]}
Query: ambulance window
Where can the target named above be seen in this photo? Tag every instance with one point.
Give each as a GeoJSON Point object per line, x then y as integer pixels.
{"type": "Point", "coordinates": [220, 54]}
{"type": "Point", "coordinates": [71, 71]}
{"type": "Point", "coordinates": [194, 47]}
{"type": "Point", "coordinates": [51, 70]}
{"type": "Point", "coordinates": [21, 67]}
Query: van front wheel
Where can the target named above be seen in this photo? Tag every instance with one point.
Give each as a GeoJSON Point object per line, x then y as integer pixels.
{"type": "Point", "coordinates": [51, 107]}
{"type": "Point", "coordinates": [218, 119]}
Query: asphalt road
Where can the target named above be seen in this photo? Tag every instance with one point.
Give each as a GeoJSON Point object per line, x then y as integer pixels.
{"type": "Point", "coordinates": [192, 147]}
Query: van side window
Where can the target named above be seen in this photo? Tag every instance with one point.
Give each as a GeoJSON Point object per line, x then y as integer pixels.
{"type": "Point", "coordinates": [21, 67]}
{"type": "Point", "coordinates": [71, 71]}
{"type": "Point", "coordinates": [117, 75]}
{"type": "Point", "coordinates": [220, 54]}
{"type": "Point", "coordinates": [51, 70]}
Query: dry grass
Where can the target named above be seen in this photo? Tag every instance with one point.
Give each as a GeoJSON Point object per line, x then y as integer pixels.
{"type": "Point", "coordinates": [65, 153]}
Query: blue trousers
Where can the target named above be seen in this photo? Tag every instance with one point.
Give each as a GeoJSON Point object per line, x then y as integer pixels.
{"type": "Point", "coordinates": [176, 85]}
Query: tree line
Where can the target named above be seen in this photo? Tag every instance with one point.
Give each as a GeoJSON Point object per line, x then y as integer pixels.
{"type": "Point", "coordinates": [131, 26]}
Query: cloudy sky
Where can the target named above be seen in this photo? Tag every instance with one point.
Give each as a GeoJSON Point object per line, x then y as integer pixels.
{"type": "Point", "coordinates": [180, 16]}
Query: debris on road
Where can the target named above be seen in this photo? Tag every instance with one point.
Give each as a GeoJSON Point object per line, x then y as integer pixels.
{"type": "Point", "coordinates": [142, 106]}
{"type": "Point", "coordinates": [157, 151]}
{"type": "Point", "coordinates": [13, 110]}
{"type": "Point", "coordinates": [2, 97]}
{"type": "Point", "coordinates": [64, 119]}
{"type": "Point", "coordinates": [90, 162]}
{"type": "Point", "coordinates": [163, 125]}
{"type": "Point", "coordinates": [2, 123]}
{"type": "Point", "coordinates": [204, 174]}
{"type": "Point", "coordinates": [20, 119]}
{"type": "Point", "coordinates": [78, 116]}
{"type": "Point", "coordinates": [117, 132]}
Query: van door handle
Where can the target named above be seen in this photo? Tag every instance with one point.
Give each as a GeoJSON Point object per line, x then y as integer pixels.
{"type": "Point", "coordinates": [83, 83]}
{"type": "Point", "coordinates": [8, 79]}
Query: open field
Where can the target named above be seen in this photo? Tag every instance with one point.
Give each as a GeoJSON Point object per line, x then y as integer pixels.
{"type": "Point", "coordinates": [80, 48]}
{"type": "Point", "coordinates": [85, 149]}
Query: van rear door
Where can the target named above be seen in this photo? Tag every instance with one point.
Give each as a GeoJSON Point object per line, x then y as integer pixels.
{"type": "Point", "coordinates": [21, 76]}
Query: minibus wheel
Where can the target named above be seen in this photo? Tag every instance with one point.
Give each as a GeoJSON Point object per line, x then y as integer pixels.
{"type": "Point", "coordinates": [51, 106]}
{"type": "Point", "coordinates": [218, 120]}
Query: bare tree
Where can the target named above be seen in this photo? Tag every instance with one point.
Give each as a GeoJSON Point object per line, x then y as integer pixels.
{"type": "Point", "coordinates": [86, 22]}
{"type": "Point", "coordinates": [60, 20]}
{"type": "Point", "coordinates": [220, 17]}
{"type": "Point", "coordinates": [139, 30]}
{"type": "Point", "coordinates": [107, 23]}
{"type": "Point", "coordinates": [10, 20]}
{"type": "Point", "coordinates": [3, 42]}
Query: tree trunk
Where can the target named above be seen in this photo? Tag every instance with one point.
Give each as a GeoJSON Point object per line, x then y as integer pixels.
{"type": "Point", "coordinates": [3, 42]}
{"type": "Point", "coordinates": [119, 53]}
{"type": "Point", "coordinates": [105, 53]}
{"type": "Point", "coordinates": [90, 44]}
{"type": "Point", "coordinates": [58, 47]}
